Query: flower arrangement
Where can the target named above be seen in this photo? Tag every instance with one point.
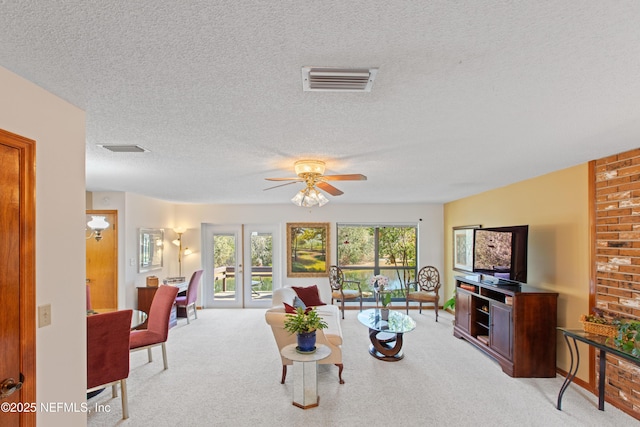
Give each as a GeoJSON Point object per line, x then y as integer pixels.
{"type": "Point", "coordinates": [379, 281]}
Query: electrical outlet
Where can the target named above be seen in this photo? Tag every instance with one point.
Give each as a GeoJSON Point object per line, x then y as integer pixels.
{"type": "Point", "coordinates": [44, 315]}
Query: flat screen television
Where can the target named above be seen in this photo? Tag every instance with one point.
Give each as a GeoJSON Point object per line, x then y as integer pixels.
{"type": "Point", "coordinates": [501, 252]}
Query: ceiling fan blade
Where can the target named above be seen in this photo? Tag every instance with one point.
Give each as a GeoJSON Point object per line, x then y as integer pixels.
{"type": "Point", "coordinates": [297, 179]}
{"type": "Point", "coordinates": [329, 188]}
{"type": "Point", "coordinates": [281, 185]}
{"type": "Point", "coordinates": [348, 177]}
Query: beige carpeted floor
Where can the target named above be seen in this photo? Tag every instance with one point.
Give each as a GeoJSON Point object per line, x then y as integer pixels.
{"type": "Point", "coordinates": [224, 370]}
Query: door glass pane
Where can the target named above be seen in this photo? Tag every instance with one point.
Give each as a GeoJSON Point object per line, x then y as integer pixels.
{"type": "Point", "coordinates": [261, 265]}
{"type": "Point", "coordinates": [224, 264]}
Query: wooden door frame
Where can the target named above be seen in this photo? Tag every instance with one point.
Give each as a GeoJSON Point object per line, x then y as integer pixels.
{"type": "Point", "coordinates": [27, 201]}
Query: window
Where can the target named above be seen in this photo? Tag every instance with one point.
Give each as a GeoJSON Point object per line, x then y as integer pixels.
{"type": "Point", "coordinates": [367, 250]}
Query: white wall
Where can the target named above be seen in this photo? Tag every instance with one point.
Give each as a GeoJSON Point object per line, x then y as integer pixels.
{"type": "Point", "coordinates": [135, 212]}
{"type": "Point", "coordinates": [59, 131]}
{"type": "Point", "coordinates": [429, 218]}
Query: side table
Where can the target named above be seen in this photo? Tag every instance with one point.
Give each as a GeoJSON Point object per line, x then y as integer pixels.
{"type": "Point", "coordinates": [305, 374]}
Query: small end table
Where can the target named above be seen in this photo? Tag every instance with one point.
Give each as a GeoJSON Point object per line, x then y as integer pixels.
{"type": "Point", "coordinates": [305, 374]}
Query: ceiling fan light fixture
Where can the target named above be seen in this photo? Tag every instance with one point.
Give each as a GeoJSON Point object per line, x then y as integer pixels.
{"type": "Point", "coordinates": [309, 166]}
{"type": "Point", "coordinates": [309, 197]}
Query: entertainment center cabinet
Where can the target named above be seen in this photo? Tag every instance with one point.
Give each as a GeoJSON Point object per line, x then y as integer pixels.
{"type": "Point", "coordinates": [511, 322]}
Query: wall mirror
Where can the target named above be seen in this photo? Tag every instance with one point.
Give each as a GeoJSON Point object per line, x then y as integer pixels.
{"type": "Point", "coordinates": [151, 247]}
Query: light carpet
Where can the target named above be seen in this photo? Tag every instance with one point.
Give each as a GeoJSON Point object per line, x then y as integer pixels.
{"type": "Point", "coordinates": [224, 370]}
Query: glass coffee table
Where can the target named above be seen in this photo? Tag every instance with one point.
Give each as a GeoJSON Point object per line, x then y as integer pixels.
{"type": "Point", "coordinates": [386, 335]}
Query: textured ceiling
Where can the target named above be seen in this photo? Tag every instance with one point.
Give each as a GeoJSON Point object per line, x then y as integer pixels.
{"type": "Point", "coordinates": [469, 96]}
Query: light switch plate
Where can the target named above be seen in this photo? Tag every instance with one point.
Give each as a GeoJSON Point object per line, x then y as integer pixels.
{"type": "Point", "coordinates": [44, 315]}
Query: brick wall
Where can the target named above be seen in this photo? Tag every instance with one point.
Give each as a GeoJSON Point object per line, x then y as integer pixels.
{"type": "Point", "coordinates": [617, 253]}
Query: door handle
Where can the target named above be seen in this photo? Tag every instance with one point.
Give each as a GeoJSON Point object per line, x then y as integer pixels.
{"type": "Point", "coordinates": [9, 386]}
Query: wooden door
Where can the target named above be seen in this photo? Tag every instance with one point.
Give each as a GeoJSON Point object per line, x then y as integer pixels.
{"type": "Point", "coordinates": [102, 263]}
{"type": "Point", "coordinates": [17, 281]}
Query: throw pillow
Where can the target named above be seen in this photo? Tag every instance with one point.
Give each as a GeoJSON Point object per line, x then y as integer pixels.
{"type": "Point", "coordinates": [297, 302]}
{"type": "Point", "coordinates": [309, 295]}
{"type": "Point", "coordinates": [289, 309]}
{"type": "Point", "coordinates": [292, 309]}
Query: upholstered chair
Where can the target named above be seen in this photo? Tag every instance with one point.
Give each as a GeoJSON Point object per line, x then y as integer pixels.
{"type": "Point", "coordinates": [108, 353]}
{"type": "Point", "coordinates": [427, 285]}
{"type": "Point", "coordinates": [343, 290]}
{"type": "Point", "coordinates": [188, 301]}
{"type": "Point", "coordinates": [157, 324]}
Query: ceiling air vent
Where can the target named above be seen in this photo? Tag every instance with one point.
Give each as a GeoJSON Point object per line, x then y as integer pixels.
{"type": "Point", "coordinates": [329, 79]}
{"type": "Point", "coordinates": [125, 148]}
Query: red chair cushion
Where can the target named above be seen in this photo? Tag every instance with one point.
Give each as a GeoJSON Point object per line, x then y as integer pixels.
{"type": "Point", "coordinates": [309, 295]}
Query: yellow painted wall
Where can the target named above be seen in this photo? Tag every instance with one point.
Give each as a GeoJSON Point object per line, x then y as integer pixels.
{"type": "Point", "coordinates": [555, 206]}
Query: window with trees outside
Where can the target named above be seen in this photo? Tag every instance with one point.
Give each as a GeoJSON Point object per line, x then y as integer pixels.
{"type": "Point", "coordinates": [368, 250]}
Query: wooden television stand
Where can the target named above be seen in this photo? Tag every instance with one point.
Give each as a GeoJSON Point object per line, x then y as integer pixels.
{"type": "Point", "coordinates": [513, 323]}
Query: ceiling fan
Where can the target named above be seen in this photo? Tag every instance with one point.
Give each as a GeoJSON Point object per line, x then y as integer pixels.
{"type": "Point", "coordinates": [311, 172]}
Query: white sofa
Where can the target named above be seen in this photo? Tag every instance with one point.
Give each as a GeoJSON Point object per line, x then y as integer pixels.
{"type": "Point", "coordinates": [330, 336]}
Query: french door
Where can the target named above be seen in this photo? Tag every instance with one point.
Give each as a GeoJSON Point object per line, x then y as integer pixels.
{"type": "Point", "coordinates": [241, 264]}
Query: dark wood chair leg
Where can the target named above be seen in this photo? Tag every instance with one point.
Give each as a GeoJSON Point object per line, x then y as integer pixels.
{"type": "Point", "coordinates": [284, 373]}
{"type": "Point", "coordinates": [340, 368]}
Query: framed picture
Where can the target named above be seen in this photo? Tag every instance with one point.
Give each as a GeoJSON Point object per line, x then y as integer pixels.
{"type": "Point", "coordinates": [150, 255]}
{"type": "Point", "coordinates": [308, 249]}
{"type": "Point", "coordinates": [463, 247]}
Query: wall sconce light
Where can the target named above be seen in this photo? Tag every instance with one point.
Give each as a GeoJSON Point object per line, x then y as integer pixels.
{"type": "Point", "coordinates": [97, 225]}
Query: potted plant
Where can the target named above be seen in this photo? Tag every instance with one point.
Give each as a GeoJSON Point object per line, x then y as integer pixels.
{"type": "Point", "coordinates": [450, 303]}
{"type": "Point", "coordinates": [628, 336]}
{"type": "Point", "coordinates": [305, 323]}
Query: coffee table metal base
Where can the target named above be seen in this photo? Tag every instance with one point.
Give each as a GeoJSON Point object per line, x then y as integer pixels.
{"type": "Point", "coordinates": [385, 346]}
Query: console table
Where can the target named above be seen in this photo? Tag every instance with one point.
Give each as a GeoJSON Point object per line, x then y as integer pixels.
{"type": "Point", "coordinates": [145, 297]}
{"type": "Point", "coordinates": [600, 343]}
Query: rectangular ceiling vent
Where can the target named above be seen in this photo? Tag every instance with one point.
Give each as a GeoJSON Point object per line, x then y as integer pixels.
{"type": "Point", "coordinates": [125, 148]}
{"type": "Point", "coordinates": [329, 79]}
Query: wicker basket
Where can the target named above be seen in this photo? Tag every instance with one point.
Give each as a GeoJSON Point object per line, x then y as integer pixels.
{"type": "Point", "coordinates": [598, 328]}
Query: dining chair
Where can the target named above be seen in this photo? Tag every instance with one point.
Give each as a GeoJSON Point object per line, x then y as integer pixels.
{"type": "Point", "coordinates": [427, 285]}
{"type": "Point", "coordinates": [340, 288]}
{"type": "Point", "coordinates": [108, 353]}
{"type": "Point", "coordinates": [188, 301]}
{"type": "Point", "coordinates": [157, 324]}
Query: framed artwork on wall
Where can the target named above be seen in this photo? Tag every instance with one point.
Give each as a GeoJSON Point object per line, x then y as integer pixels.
{"type": "Point", "coordinates": [463, 247]}
{"type": "Point", "coordinates": [150, 256]}
{"type": "Point", "coordinates": [308, 249]}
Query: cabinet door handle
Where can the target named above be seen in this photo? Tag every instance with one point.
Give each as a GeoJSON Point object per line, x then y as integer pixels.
{"type": "Point", "coordinates": [9, 386]}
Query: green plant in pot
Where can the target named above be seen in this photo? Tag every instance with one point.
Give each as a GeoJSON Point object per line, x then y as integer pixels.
{"type": "Point", "coordinates": [628, 337]}
{"type": "Point", "coordinates": [305, 323]}
{"type": "Point", "coordinates": [450, 303]}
